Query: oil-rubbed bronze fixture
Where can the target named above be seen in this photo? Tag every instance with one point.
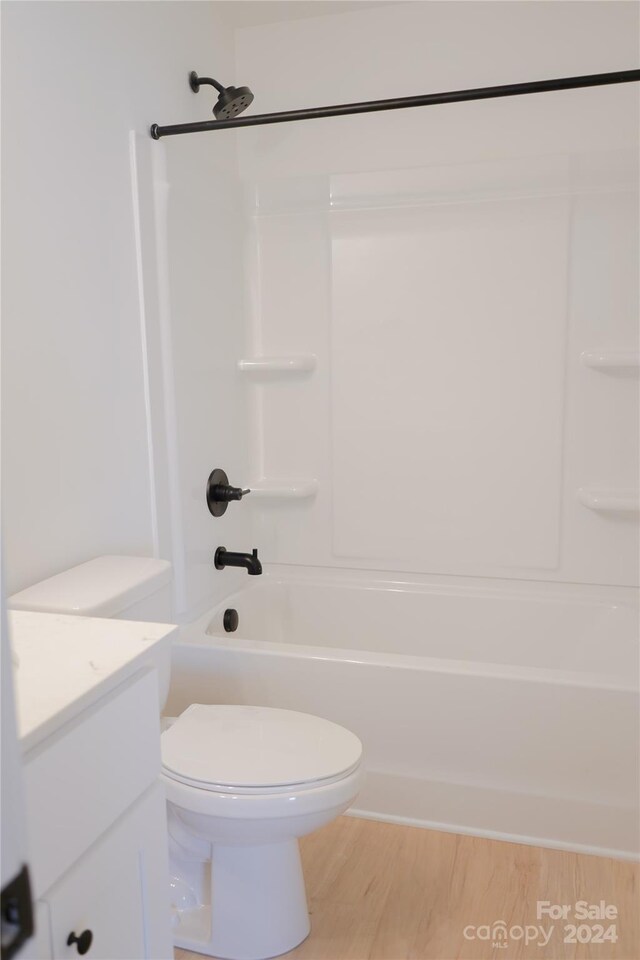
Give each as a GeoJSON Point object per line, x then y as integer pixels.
{"type": "Point", "coordinates": [220, 492]}
{"type": "Point", "coordinates": [230, 620]}
{"type": "Point", "coordinates": [233, 100]}
{"type": "Point", "coordinates": [227, 558]}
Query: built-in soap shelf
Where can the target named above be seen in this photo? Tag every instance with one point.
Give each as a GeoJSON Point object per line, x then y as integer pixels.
{"type": "Point", "coordinates": [609, 501]}
{"type": "Point", "coordinates": [611, 361]}
{"type": "Point", "coordinates": [303, 363]}
{"type": "Point", "coordinates": [284, 489]}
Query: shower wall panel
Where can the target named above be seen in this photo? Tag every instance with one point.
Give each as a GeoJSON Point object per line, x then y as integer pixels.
{"type": "Point", "coordinates": [450, 420]}
{"type": "Point", "coordinates": [448, 351]}
{"type": "Point", "coordinates": [189, 212]}
{"type": "Point", "coordinates": [465, 279]}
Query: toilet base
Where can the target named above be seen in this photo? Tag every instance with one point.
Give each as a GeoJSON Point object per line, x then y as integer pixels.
{"type": "Point", "coordinates": [257, 906]}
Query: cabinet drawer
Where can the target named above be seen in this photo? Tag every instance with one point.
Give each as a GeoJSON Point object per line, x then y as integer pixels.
{"type": "Point", "coordinates": [80, 780]}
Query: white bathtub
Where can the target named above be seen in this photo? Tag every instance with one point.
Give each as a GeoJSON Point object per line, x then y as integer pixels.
{"type": "Point", "coordinates": [505, 711]}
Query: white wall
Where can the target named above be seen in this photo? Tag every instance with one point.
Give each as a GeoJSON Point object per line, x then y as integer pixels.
{"type": "Point", "coordinates": [76, 79]}
{"type": "Point", "coordinates": [116, 305]}
{"type": "Point", "coordinates": [447, 266]}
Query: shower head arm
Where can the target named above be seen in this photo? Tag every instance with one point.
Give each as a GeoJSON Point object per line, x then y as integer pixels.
{"type": "Point", "coordinates": [195, 82]}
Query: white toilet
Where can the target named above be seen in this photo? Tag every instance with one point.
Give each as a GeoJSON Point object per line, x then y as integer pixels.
{"type": "Point", "coordinates": [242, 783]}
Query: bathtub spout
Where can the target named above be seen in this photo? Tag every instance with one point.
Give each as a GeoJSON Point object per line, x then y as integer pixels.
{"type": "Point", "coordinates": [225, 558]}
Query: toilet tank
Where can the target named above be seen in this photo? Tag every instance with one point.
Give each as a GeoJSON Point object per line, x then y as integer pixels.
{"type": "Point", "coordinates": [122, 588]}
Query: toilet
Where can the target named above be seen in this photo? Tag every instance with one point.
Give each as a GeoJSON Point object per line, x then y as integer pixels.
{"type": "Point", "coordinates": [243, 783]}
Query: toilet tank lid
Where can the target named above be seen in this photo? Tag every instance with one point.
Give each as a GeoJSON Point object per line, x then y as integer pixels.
{"type": "Point", "coordinates": [102, 587]}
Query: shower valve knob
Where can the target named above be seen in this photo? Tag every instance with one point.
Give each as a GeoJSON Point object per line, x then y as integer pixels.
{"type": "Point", "coordinates": [220, 492]}
{"type": "Point", "coordinates": [224, 493]}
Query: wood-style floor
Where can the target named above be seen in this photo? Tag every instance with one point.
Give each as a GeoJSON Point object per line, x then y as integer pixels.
{"type": "Point", "coordinates": [385, 892]}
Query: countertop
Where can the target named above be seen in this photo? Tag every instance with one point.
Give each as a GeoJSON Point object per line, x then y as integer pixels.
{"type": "Point", "coordinates": [62, 664]}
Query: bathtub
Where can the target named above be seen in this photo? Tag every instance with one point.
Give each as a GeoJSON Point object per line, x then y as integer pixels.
{"type": "Point", "coordinates": [507, 711]}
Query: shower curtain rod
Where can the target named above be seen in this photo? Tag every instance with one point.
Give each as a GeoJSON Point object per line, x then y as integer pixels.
{"type": "Point", "coordinates": [399, 103]}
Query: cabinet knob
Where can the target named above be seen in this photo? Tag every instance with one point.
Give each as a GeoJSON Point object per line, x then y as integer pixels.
{"type": "Point", "coordinates": [83, 942]}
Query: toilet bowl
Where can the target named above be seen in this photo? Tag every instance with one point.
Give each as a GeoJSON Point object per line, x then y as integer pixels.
{"type": "Point", "coordinates": [242, 783]}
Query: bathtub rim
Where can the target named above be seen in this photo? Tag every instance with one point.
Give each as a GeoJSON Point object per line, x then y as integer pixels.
{"type": "Point", "coordinates": [194, 632]}
{"type": "Point", "coordinates": [402, 661]}
{"type": "Point", "coordinates": [343, 578]}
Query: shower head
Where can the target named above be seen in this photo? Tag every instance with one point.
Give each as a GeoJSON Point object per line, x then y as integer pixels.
{"type": "Point", "coordinates": [231, 100]}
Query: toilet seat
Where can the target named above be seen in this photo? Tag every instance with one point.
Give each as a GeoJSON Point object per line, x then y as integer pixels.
{"type": "Point", "coordinates": [256, 751]}
{"type": "Point", "coordinates": [282, 790]}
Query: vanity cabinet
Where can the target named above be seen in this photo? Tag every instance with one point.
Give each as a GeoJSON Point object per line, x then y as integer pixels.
{"type": "Point", "coordinates": [96, 819]}
{"type": "Point", "coordinates": [103, 899]}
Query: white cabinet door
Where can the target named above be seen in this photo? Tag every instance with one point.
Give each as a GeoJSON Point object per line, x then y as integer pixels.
{"type": "Point", "coordinates": [114, 900]}
{"type": "Point", "coordinates": [82, 779]}
{"type": "Point", "coordinates": [16, 897]}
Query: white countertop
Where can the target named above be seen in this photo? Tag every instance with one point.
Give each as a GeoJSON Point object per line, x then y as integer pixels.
{"type": "Point", "coordinates": [62, 664]}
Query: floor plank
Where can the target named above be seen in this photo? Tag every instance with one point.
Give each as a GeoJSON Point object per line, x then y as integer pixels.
{"type": "Point", "coordinates": [379, 891]}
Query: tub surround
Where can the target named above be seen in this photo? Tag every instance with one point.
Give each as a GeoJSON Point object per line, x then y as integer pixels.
{"type": "Point", "coordinates": [359, 231]}
{"type": "Point", "coordinates": [64, 664]}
